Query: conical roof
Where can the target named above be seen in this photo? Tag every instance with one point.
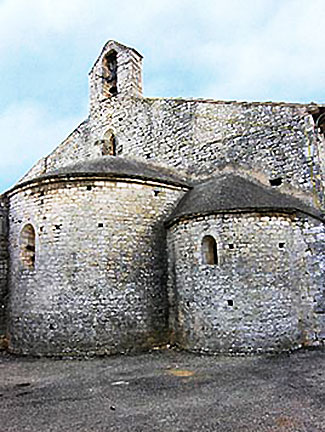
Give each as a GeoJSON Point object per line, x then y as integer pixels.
{"type": "Point", "coordinates": [114, 167]}
{"type": "Point", "coordinates": [231, 192]}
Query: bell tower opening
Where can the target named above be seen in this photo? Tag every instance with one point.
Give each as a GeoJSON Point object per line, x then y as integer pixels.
{"type": "Point", "coordinates": [117, 73]}
{"type": "Point", "coordinates": [110, 72]}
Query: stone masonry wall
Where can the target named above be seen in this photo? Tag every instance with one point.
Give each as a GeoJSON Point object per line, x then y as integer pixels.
{"type": "Point", "coordinates": [99, 282]}
{"type": "Point", "coordinates": [314, 261]}
{"type": "Point", "coordinates": [3, 263]}
{"type": "Point", "coordinates": [129, 74]}
{"type": "Point", "coordinates": [319, 149]}
{"type": "Point", "coordinates": [199, 137]}
{"type": "Point", "coordinates": [264, 294]}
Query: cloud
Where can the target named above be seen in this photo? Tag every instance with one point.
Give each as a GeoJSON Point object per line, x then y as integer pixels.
{"type": "Point", "coordinates": [221, 49]}
{"type": "Point", "coordinates": [21, 22]}
{"type": "Point", "coordinates": [281, 58]}
{"type": "Point", "coordinates": [28, 24]}
{"type": "Point", "coordinates": [28, 132]}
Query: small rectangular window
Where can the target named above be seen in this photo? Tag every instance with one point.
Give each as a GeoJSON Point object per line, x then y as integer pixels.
{"type": "Point", "coordinates": [276, 181]}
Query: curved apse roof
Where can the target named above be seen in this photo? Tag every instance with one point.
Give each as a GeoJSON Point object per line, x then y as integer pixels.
{"type": "Point", "coordinates": [231, 192]}
{"type": "Point", "coordinates": [114, 167]}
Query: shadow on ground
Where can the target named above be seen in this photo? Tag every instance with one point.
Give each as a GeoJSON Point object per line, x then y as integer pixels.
{"type": "Point", "coordinates": [164, 391]}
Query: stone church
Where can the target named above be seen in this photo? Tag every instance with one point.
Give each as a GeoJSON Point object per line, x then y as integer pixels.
{"type": "Point", "coordinates": [191, 222]}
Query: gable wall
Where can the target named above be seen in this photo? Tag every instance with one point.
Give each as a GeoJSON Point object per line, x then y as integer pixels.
{"type": "Point", "coordinates": [199, 138]}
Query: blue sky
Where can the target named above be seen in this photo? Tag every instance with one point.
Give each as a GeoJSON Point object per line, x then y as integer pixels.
{"type": "Point", "coordinates": [221, 49]}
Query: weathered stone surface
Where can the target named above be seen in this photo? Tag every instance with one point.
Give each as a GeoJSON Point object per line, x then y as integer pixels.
{"type": "Point", "coordinates": [232, 192]}
{"type": "Point", "coordinates": [88, 226]}
{"type": "Point", "coordinates": [3, 262]}
{"type": "Point", "coordinates": [263, 292]}
{"type": "Point", "coordinates": [199, 138]}
{"type": "Point", "coordinates": [99, 281]}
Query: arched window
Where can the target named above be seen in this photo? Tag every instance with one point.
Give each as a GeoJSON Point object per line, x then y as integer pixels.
{"type": "Point", "coordinates": [110, 72]}
{"type": "Point", "coordinates": [27, 246]}
{"type": "Point", "coordinates": [209, 250]}
{"type": "Point", "coordinates": [109, 144]}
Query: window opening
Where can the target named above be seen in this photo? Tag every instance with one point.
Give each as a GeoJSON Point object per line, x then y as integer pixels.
{"type": "Point", "coordinates": [209, 251]}
{"type": "Point", "coordinates": [27, 245]}
{"type": "Point", "coordinates": [110, 72]}
{"type": "Point", "coordinates": [276, 181]}
{"type": "Point", "coordinates": [108, 144]}
{"type": "Point", "coordinates": [230, 302]}
{"type": "Point", "coordinates": [112, 145]}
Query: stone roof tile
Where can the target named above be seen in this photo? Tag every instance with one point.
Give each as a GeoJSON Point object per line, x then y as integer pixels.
{"type": "Point", "coordinates": [116, 166]}
{"type": "Point", "coordinates": [231, 192]}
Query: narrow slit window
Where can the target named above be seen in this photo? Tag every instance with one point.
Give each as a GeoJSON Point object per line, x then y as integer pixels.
{"type": "Point", "coordinates": [110, 72]}
{"type": "Point", "coordinates": [112, 145]}
{"type": "Point", "coordinates": [109, 144]}
{"type": "Point", "coordinates": [209, 251]}
{"type": "Point", "coordinates": [27, 246]}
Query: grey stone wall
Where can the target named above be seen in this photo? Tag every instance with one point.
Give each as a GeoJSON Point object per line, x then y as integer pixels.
{"type": "Point", "coordinates": [265, 293]}
{"type": "Point", "coordinates": [3, 263]}
{"type": "Point", "coordinates": [129, 74]}
{"type": "Point", "coordinates": [320, 155]}
{"type": "Point", "coordinates": [99, 282]}
{"type": "Point", "coordinates": [200, 137]}
{"type": "Point", "coordinates": [197, 137]}
{"type": "Point", "coordinates": [314, 261]}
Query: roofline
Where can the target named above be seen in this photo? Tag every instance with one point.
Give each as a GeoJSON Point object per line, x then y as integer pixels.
{"type": "Point", "coordinates": [105, 47]}
{"type": "Point", "coordinates": [74, 177]}
{"type": "Point", "coordinates": [309, 105]}
{"type": "Point", "coordinates": [289, 210]}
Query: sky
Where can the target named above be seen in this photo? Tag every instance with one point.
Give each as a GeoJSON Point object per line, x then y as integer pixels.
{"type": "Point", "coordinates": [254, 50]}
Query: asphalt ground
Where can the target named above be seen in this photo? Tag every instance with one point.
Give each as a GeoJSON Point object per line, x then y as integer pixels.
{"type": "Point", "coordinates": [164, 391]}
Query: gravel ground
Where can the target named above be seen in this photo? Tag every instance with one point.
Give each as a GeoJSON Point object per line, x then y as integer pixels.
{"type": "Point", "coordinates": [164, 391]}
